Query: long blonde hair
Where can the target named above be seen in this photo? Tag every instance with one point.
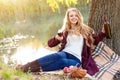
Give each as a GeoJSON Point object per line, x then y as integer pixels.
{"type": "Point", "coordinates": [83, 29]}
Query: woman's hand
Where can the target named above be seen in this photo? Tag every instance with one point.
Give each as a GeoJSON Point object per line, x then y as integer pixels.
{"type": "Point", "coordinates": [60, 38]}
{"type": "Point", "coordinates": [103, 30]}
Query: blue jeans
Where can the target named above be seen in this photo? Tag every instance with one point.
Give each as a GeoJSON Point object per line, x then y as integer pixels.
{"type": "Point", "coordinates": [57, 61]}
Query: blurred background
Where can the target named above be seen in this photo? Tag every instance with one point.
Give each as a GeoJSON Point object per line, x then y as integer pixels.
{"type": "Point", "coordinates": [26, 26]}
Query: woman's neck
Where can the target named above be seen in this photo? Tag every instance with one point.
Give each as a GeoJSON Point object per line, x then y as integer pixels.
{"type": "Point", "coordinates": [73, 26]}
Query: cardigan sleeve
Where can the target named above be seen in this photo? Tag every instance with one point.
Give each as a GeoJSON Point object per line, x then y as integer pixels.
{"type": "Point", "coordinates": [52, 42]}
{"type": "Point", "coordinates": [98, 37]}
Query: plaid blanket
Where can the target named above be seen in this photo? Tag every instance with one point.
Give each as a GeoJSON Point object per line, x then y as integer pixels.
{"type": "Point", "coordinates": [107, 61]}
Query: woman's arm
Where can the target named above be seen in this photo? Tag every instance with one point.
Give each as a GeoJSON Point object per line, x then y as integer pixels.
{"type": "Point", "coordinates": [98, 37]}
{"type": "Point", "coordinates": [101, 35]}
{"type": "Point", "coordinates": [53, 42]}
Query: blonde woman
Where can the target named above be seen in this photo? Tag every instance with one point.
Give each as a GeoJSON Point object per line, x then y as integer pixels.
{"type": "Point", "coordinates": [77, 40]}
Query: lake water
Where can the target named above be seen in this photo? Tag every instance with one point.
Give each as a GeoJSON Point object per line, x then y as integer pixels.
{"type": "Point", "coordinates": [28, 53]}
{"type": "Point", "coordinates": [21, 49]}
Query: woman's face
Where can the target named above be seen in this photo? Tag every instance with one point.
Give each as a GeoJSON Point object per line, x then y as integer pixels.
{"type": "Point", "coordinates": [73, 17]}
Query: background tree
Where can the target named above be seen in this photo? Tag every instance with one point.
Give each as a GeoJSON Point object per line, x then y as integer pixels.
{"type": "Point", "coordinates": [111, 9]}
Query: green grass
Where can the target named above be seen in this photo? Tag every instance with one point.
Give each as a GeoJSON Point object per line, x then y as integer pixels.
{"type": "Point", "coordinates": [8, 73]}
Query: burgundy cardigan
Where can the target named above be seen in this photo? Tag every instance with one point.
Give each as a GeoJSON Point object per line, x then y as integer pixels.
{"type": "Point", "coordinates": [88, 62]}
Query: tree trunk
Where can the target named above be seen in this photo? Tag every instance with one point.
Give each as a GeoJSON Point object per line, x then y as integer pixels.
{"type": "Point", "coordinates": [111, 9]}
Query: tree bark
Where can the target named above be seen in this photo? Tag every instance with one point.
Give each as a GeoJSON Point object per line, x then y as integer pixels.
{"type": "Point", "coordinates": [111, 9]}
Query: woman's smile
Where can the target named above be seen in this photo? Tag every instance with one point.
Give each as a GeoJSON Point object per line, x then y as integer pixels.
{"type": "Point", "coordinates": [73, 17]}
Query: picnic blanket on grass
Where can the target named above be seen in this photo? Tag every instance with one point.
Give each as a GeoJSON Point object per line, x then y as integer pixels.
{"type": "Point", "coordinates": [107, 61]}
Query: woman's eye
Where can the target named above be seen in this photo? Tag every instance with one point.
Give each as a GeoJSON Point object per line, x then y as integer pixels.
{"type": "Point", "coordinates": [76, 15]}
{"type": "Point", "coordinates": [71, 15]}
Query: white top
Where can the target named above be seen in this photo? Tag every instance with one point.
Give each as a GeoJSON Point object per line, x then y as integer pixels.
{"type": "Point", "coordinates": [74, 45]}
